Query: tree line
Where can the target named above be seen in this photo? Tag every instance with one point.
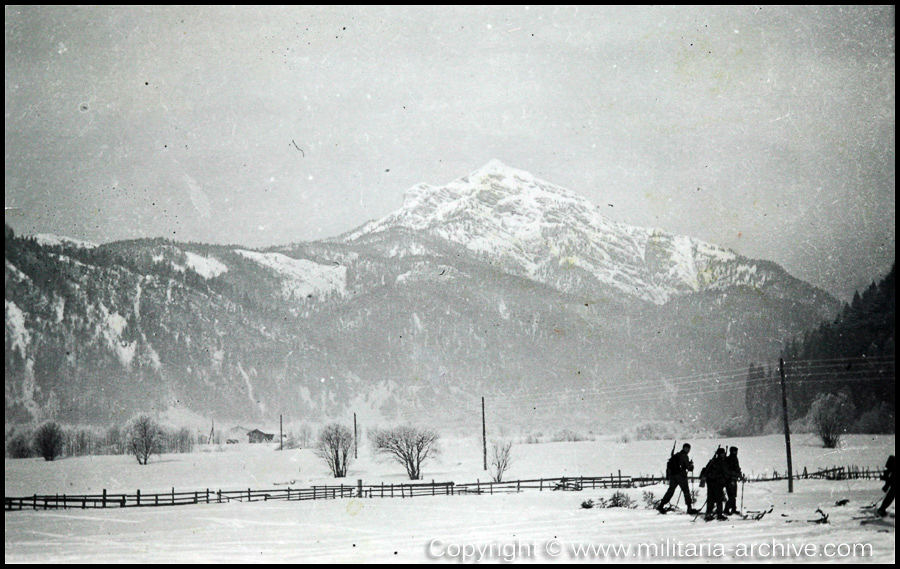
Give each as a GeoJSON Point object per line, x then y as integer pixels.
{"type": "Point", "coordinates": [142, 435]}
{"type": "Point", "coordinates": [846, 366]}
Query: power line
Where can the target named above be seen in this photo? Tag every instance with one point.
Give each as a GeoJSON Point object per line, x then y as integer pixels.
{"type": "Point", "coordinates": [669, 383]}
{"type": "Point", "coordinates": [594, 398]}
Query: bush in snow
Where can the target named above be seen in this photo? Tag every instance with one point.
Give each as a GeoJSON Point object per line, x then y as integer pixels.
{"type": "Point", "coordinates": [567, 435]}
{"type": "Point", "coordinates": [144, 436]}
{"type": "Point", "coordinates": [18, 444]}
{"type": "Point", "coordinates": [879, 420]}
{"type": "Point", "coordinates": [831, 416]}
{"type": "Point", "coordinates": [409, 446]}
{"type": "Point", "coordinates": [618, 500]}
{"type": "Point", "coordinates": [501, 459]}
{"type": "Point", "coordinates": [534, 438]}
{"type": "Point", "coordinates": [48, 440]}
{"type": "Point", "coordinates": [333, 446]}
{"type": "Point", "coordinates": [651, 502]}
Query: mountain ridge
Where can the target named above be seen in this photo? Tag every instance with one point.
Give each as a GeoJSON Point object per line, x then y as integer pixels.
{"type": "Point", "coordinates": [542, 229]}
{"type": "Point", "coordinates": [401, 319]}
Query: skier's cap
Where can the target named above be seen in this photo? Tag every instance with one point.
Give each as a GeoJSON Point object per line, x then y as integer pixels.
{"type": "Point", "coordinates": [720, 450]}
{"type": "Point", "coordinates": [687, 446]}
{"type": "Point", "coordinates": [733, 449]}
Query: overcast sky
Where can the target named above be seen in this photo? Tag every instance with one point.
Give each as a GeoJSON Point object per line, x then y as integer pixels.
{"type": "Point", "coordinates": [769, 130]}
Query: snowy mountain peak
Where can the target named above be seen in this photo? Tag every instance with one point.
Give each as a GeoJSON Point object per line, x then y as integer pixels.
{"type": "Point", "coordinates": [498, 168]}
{"type": "Point", "coordinates": [508, 196]}
{"type": "Point", "coordinates": [542, 231]}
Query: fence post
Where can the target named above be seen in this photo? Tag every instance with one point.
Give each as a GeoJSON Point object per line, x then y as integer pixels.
{"type": "Point", "coordinates": [138, 496]}
{"type": "Point", "coordinates": [173, 495]}
{"type": "Point", "coordinates": [249, 497]}
{"type": "Point", "coordinates": [104, 497]}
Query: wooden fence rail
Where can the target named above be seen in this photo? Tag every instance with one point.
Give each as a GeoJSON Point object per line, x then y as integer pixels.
{"type": "Point", "coordinates": [402, 490]}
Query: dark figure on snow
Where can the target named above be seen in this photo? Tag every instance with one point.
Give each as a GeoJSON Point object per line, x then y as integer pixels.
{"type": "Point", "coordinates": [716, 476]}
{"type": "Point", "coordinates": [888, 478]}
{"type": "Point", "coordinates": [734, 476]}
{"type": "Point", "coordinates": [677, 473]}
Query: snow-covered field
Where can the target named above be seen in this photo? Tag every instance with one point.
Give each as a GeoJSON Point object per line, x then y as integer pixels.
{"type": "Point", "coordinates": [542, 526]}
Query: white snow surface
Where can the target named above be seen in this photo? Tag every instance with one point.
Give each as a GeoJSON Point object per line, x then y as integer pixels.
{"type": "Point", "coordinates": [302, 277]}
{"type": "Point", "coordinates": [528, 526]}
{"type": "Point", "coordinates": [50, 239]}
{"type": "Point", "coordinates": [206, 267]}
{"type": "Point", "coordinates": [17, 335]}
{"type": "Point", "coordinates": [511, 216]}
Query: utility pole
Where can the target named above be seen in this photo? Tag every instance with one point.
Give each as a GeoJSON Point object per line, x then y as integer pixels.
{"type": "Point", "coordinates": [787, 428]}
{"type": "Point", "coordinates": [483, 434]}
{"type": "Point", "coordinates": [355, 439]}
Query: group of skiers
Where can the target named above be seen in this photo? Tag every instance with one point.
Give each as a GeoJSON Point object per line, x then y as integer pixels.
{"type": "Point", "coordinates": [720, 476]}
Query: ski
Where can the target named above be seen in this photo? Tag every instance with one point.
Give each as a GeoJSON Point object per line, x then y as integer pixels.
{"type": "Point", "coordinates": [756, 515]}
{"type": "Point", "coordinates": [877, 522]}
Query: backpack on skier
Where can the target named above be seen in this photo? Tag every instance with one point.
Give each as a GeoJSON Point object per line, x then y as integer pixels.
{"type": "Point", "coordinates": [671, 467]}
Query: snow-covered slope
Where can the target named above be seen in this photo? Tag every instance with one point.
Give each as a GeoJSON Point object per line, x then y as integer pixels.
{"type": "Point", "coordinates": [556, 237]}
{"type": "Point", "coordinates": [302, 278]}
{"type": "Point", "coordinates": [496, 282]}
{"type": "Point", "coordinates": [206, 267]}
{"type": "Point", "coordinates": [51, 240]}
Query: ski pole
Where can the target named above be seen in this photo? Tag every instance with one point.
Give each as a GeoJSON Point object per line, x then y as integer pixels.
{"type": "Point", "coordinates": [699, 511]}
{"type": "Point", "coordinates": [742, 496]}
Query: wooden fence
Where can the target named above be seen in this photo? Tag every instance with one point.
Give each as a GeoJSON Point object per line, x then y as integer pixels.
{"type": "Point", "coordinates": [403, 490]}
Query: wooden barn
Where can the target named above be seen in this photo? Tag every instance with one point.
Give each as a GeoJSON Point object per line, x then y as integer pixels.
{"type": "Point", "coordinates": [257, 436]}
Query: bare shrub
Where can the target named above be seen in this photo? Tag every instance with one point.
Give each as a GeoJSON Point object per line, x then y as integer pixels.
{"type": "Point", "coordinates": [651, 502]}
{"type": "Point", "coordinates": [304, 436]}
{"type": "Point", "coordinates": [333, 446]}
{"type": "Point", "coordinates": [618, 500]}
{"type": "Point", "coordinates": [831, 415]}
{"type": "Point", "coordinates": [409, 446]}
{"type": "Point", "coordinates": [49, 439]}
{"type": "Point", "coordinates": [878, 420]}
{"type": "Point", "coordinates": [18, 444]}
{"type": "Point", "coordinates": [501, 459]}
{"type": "Point", "coordinates": [145, 437]}
{"type": "Point", "coordinates": [568, 435]}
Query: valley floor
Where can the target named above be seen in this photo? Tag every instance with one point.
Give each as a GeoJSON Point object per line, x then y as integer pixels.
{"type": "Point", "coordinates": [529, 526]}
